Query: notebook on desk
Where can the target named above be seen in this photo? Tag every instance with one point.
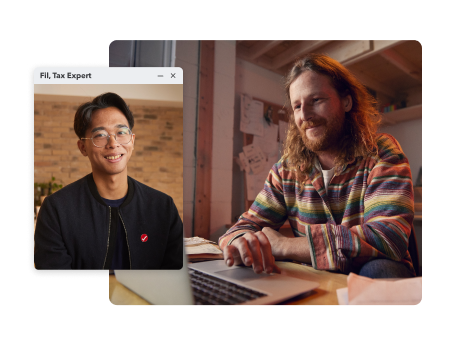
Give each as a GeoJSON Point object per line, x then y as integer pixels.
{"type": "Point", "coordinates": [212, 282]}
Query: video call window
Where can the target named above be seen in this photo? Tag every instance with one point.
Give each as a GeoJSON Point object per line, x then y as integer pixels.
{"type": "Point", "coordinates": [108, 168]}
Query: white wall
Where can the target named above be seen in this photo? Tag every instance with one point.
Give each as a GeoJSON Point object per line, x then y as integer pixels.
{"type": "Point", "coordinates": [223, 135]}
{"type": "Point", "coordinates": [258, 82]}
{"type": "Point", "coordinates": [187, 57]}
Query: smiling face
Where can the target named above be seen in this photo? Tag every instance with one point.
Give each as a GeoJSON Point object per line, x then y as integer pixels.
{"type": "Point", "coordinates": [319, 112]}
{"type": "Point", "coordinates": [112, 158]}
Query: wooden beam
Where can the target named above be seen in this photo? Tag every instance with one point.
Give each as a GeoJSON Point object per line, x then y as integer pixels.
{"type": "Point", "coordinates": [401, 63]}
{"type": "Point", "coordinates": [291, 54]}
{"type": "Point", "coordinates": [342, 51]}
{"type": "Point", "coordinates": [261, 47]}
{"type": "Point", "coordinates": [262, 61]}
{"type": "Point", "coordinates": [204, 141]}
{"type": "Point", "coordinates": [375, 47]}
{"type": "Point", "coordinates": [378, 46]}
{"type": "Point", "coordinates": [241, 52]}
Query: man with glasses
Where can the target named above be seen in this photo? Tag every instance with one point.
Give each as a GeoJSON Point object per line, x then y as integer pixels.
{"type": "Point", "coordinates": [108, 220]}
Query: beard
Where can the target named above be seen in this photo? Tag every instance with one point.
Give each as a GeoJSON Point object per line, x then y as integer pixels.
{"type": "Point", "coordinates": [329, 137]}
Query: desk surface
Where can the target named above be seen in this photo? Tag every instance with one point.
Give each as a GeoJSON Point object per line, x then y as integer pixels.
{"type": "Point", "coordinates": [325, 294]}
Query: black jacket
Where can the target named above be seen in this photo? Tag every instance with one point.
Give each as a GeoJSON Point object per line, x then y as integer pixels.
{"type": "Point", "coordinates": [75, 229]}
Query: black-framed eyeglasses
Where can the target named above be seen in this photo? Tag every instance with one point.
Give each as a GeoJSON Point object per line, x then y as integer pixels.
{"type": "Point", "coordinates": [101, 138]}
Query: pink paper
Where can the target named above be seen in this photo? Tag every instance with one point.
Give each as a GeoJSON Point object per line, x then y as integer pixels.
{"type": "Point", "coordinates": [364, 290]}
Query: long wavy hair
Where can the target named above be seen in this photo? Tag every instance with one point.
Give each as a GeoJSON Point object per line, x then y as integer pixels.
{"type": "Point", "coordinates": [360, 125]}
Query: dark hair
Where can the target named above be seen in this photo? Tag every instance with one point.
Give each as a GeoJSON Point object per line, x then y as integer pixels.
{"type": "Point", "coordinates": [83, 116]}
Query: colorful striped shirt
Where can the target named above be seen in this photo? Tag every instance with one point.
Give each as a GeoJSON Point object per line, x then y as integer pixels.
{"type": "Point", "coordinates": [366, 213]}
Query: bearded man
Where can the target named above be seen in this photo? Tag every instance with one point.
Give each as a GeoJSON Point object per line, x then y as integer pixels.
{"type": "Point", "coordinates": [345, 189]}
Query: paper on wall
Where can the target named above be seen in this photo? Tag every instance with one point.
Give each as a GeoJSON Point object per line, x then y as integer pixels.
{"type": "Point", "coordinates": [255, 182]}
{"type": "Point", "coordinates": [255, 157]}
{"type": "Point", "coordinates": [251, 115]}
{"type": "Point", "coordinates": [268, 142]}
{"type": "Point", "coordinates": [239, 162]}
{"type": "Point", "coordinates": [244, 162]}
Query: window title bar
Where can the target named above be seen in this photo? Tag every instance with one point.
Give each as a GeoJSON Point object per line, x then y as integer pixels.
{"type": "Point", "coordinates": [115, 75]}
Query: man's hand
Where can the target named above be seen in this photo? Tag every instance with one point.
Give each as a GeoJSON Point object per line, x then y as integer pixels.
{"type": "Point", "coordinates": [278, 242]}
{"type": "Point", "coordinates": [283, 247]}
{"type": "Point", "coordinates": [252, 249]}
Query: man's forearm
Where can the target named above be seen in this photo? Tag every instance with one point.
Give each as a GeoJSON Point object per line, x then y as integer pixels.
{"type": "Point", "coordinates": [296, 249]}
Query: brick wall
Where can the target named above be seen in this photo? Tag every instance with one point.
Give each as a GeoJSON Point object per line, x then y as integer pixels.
{"type": "Point", "coordinates": [157, 159]}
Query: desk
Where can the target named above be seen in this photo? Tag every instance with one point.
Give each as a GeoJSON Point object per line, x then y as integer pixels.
{"type": "Point", "coordinates": [325, 294]}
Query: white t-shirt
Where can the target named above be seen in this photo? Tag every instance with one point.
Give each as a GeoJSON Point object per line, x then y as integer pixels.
{"type": "Point", "coordinates": [326, 174]}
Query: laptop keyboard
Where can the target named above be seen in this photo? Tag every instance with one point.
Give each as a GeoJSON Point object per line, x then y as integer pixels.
{"type": "Point", "coordinates": [208, 289]}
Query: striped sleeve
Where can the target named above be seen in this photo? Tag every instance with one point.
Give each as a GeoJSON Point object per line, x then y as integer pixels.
{"type": "Point", "coordinates": [268, 209]}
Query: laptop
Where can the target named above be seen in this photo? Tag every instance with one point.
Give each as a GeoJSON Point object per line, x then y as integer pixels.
{"type": "Point", "coordinates": [212, 282]}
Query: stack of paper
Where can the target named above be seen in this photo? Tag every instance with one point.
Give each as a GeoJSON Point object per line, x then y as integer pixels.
{"type": "Point", "coordinates": [364, 290]}
{"type": "Point", "coordinates": [200, 249]}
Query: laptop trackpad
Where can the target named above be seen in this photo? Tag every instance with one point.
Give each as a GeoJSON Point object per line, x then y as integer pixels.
{"type": "Point", "coordinates": [242, 274]}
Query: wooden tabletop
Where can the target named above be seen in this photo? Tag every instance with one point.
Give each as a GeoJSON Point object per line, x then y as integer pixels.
{"type": "Point", "coordinates": [324, 294]}
{"type": "Point", "coordinates": [328, 283]}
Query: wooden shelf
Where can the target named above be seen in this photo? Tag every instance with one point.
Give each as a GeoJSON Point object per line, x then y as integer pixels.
{"type": "Point", "coordinates": [402, 115]}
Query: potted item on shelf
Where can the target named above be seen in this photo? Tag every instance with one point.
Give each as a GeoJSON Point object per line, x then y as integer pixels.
{"type": "Point", "coordinates": [42, 190]}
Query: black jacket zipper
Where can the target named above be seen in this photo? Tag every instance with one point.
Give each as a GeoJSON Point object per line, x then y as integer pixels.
{"type": "Point", "coordinates": [108, 236]}
{"type": "Point", "coordinates": [126, 234]}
